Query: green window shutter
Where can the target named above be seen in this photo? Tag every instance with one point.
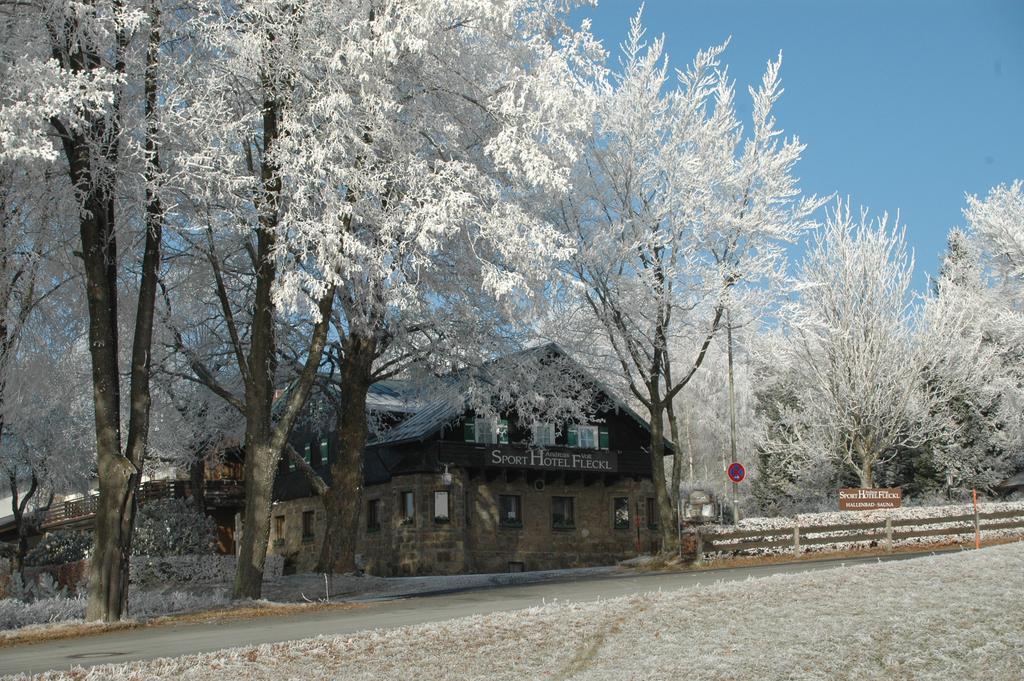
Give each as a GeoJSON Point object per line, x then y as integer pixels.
{"type": "Point", "coordinates": [572, 437]}
{"type": "Point", "coordinates": [503, 431]}
{"type": "Point", "coordinates": [307, 453]}
{"type": "Point", "coordinates": [469, 429]}
{"type": "Point", "coordinates": [602, 437]}
{"type": "Point", "coordinates": [325, 449]}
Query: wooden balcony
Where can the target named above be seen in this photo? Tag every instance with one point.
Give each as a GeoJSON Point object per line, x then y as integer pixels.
{"type": "Point", "coordinates": [218, 494]}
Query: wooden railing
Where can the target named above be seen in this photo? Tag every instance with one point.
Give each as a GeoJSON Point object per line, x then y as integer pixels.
{"type": "Point", "coordinates": [883, 532]}
{"type": "Point", "coordinates": [216, 493]}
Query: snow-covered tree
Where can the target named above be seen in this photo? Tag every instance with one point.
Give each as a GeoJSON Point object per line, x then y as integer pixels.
{"type": "Point", "coordinates": [82, 82]}
{"type": "Point", "coordinates": [965, 324]}
{"type": "Point", "coordinates": [383, 155]}
{"type": "Point", "coordinates": [997, 222]}
{"type": "Point", "coordinates": [46, 450]}
{"type": "Point", "coordinates": [702, 429]}
{"type": "Point", "coordinates": [860, 394]}
{"type": "Point", "coordinates": [673, 207]}
{"type": "Point", "coordinates": [39, 329]}
{"type": "Point", "coordinates": [976, 312]}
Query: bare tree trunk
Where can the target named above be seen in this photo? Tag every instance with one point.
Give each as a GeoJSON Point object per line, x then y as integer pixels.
{"type": "Point", "coordinates": [342, 501]}
{"type": "Point", "coordinates": [689, 444]}
{"type": "Point", "coordinates": [265, 441]}
{"type": "Point", "coordinates": [867, 474]}
{"type": "Point", "coordinates": [140, 399]}
{"type": "Point", "coordinates": [260, 458]}
{"type": "Point", "coordinates": [665, 519]}
{"type": "Point", "coordinates": [92, 154]}
{"type": "Point", "coordinates": [19, 506]}
{"type": "Point", "coordinates": [116, 474]}
{"type": "Point", "coordinates": [677, 457]}
{"type": "Point", "coordinates": [260, 468]}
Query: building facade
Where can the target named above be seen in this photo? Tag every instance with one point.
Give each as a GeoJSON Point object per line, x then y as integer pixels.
{"type": "Point", "coordinates": [448, 492]}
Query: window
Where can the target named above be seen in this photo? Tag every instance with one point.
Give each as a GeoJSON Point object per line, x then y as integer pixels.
{"type": "Point", "coordinates": [407, 508]}
{"type": "Point", "coordinates": [279, 528]}
{"type": "Point", "coordinates": [441, 506]}
{"type": "Point", "coordinates": [652, 514]}
{"type": "Point", "coordinates": [307, 526]}
{"type": "Point", "coordinates": [486, 431]}
{"type": "Point", "coordinates": [325, 450]}
{"type": "Point", "coordinates": [587, 437]}
{"type": "Point", "coordinates": [620, 513]}
{"type": "Point", "coordinates": [373, 515]}
{"type": "Point", "coordinates": [543, 434]}
{"type": "Point", "coordinates": [563, 516]}
{"type": "Point", "coordinates": [510, 510]}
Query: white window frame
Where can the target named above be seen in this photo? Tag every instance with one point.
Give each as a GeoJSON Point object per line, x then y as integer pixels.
{"type": "Point", "coordinates": [438, 495]}
{"type": "Point", "coordinates": [492, 429]}
{"type": "Point", "coordinates": [543, 433]}
{"type": "Point", "coordinates": [407, 506]}
{"type": "Point", "coordinates": [488, 427]}
{"type": "Point", "coordinates": [594, 434]}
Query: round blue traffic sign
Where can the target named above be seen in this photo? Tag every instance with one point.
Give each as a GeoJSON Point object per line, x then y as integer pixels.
{"type": "Point", "coordinates": [737, 471]}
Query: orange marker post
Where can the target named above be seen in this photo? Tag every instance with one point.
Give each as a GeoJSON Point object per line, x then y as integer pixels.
{"type": "Point", "coordinates": [977, 527]}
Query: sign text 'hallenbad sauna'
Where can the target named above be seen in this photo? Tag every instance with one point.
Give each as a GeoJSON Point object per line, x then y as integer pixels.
{"type": "Point", "coordinates": [593, 462]}
{"type": "Point", "coordinates": [868, 499]}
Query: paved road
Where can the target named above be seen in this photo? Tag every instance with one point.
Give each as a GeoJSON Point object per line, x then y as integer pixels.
{"type": "Point", "coordinates": [171, 641]}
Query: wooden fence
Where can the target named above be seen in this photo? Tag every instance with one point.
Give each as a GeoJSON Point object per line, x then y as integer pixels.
{"type": "Point", "coordinates": [882, 532]}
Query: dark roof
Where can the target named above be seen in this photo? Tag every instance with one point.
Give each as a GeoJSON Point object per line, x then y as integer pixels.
{"type": "Point", "coordinates": [434, 415]}
{"type": "Point", "coordinates": [429, 419]}
{"type": "Point", "coordinates": [393, 395]}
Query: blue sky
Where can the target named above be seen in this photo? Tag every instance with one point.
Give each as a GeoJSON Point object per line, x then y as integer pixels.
{"type": "Point", "coordinates": [903, 104]}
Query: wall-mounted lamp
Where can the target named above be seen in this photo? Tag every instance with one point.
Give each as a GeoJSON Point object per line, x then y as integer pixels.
{"type": "Point", "coordinates": [446, 477]}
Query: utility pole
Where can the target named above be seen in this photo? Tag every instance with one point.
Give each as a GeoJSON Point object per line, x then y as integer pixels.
{"type": "Point", "coordinates": [732, 410]}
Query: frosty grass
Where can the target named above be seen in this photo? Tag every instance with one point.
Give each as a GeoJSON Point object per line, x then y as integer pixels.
{"type": "Point", "coordinates": [956, 616]}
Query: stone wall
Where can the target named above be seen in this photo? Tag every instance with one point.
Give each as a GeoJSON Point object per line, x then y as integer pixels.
{"type": "Point", "coordinates": [537, 545]}
{"type": "Point", "coordinates": [473, 539]}
{"type": "Point", "coordinates": [300, 553]}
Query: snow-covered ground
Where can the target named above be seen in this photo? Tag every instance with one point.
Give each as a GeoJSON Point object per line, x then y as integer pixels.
{"type": "Point", "coordinates": [922, 514]}
{"type": "Point", "coordinates": [954, 616]}
{"type": "Point", "coordinates": [173, 598]}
